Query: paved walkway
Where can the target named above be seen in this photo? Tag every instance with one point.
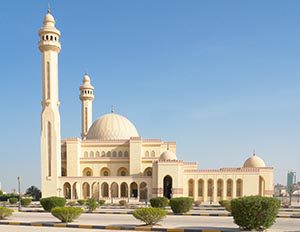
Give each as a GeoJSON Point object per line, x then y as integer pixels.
{"type": "Point", "coordinates": [170, 221]}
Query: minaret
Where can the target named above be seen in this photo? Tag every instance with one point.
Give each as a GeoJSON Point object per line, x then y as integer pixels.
{"type": "Point", "coordinates": [87, 98]}
{"type": "Point", "coordinates": [49, 46]}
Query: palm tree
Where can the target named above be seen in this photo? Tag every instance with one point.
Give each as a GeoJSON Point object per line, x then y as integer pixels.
{"type": "Point", "coordinates": [34, 192]}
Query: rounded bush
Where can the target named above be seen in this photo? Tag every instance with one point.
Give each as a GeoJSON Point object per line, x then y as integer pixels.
{"type": "Point", "coordinates": [123, 203]}
{"type": "Point", "coordinates": [255, 212]}
{"type": "Point", "coordinates": [13, 200]}
{"type": "Point", "coordinates": [81, 202]}
{"type": "Point", "coordinates": [5, 212]}
{"type": "Point", "coordinates": [226, 204]}
{"type": "Point", "coordinates": [181, 204]}
{"type": "Point", "coordinates": [50, 202]}
{"type": "Point", "coordinates": [66, 214]}
{"type": "Point", "coordinates": [101, 202]}
{"type": "Point", "coordinates": [159, 202]}
{"type": "Point", "coordinates": [91, 204]}
{"type": "Point", "coordinates": [150, 216]}
{"type": "Point", "coordinates": [26, 201]}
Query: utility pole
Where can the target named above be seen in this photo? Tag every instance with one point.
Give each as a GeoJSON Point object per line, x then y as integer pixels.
{"type": "Point", "coordinates": [19, 189]}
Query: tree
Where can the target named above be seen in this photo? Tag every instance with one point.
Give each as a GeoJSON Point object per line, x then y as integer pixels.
{"type": "Point", "coordinates": [1, 193]}
{"type": "Point", "coordinates": [34, 192]}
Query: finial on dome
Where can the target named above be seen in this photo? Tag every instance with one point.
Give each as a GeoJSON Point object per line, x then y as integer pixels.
{"type": "Point", "coordinates": [254, 152]}
{"type": "Point", "coordinates": [112, 108]}
{"type": "Point", "coordinates": [49, 9]}
{"type": "Point", "coordinates": [167, 146]}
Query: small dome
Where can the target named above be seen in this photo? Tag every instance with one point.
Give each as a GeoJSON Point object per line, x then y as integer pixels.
{"type": "Point", "coordinates": [49, 20]}
{"type": "Point", "coordinates": [112, 127]}
{"type": "Point", "coordinates": [167, 155]}
{"type": "Point", "coordinates": [254, 162]}
{"type": "Point", "coordinates": [86, 78]}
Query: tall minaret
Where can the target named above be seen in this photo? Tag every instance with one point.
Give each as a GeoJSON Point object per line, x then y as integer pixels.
{"type": "Point", "coordinates": [49, 46]}
{"type": "Point", "coordinates": [87, 98]}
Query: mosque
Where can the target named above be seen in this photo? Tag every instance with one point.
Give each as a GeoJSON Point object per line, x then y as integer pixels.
{"type": "Point", "coordinates": [112, 161]}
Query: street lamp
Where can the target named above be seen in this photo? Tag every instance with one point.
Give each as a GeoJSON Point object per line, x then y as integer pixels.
{"type": "Point", "coordinates": [19, 189]}
{"type": "Point", "coordinates": [59, 190]}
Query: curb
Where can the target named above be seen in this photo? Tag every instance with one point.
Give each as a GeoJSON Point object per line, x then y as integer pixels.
{"type": "Point", "coordinates": [137, 228]}
{"type": "Point", "coordinates": [169, 213]}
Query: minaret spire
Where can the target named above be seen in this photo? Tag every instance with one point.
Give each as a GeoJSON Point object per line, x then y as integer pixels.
{"type": "Point", "coordinates": [112, 108]}
{"type": "Point", "coordinates": [49, 9]}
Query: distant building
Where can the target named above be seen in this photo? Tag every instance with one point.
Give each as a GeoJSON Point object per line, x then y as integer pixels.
{"type": "Point", "coordinates": [291, 179]}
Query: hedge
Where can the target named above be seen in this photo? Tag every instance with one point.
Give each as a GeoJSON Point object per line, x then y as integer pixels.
{"type": "Point", "coordinates": [123, 203]}
{"type": "Point", "coordinates": [101, 202]}
{"type": "Point", "coordinates": [159, 202]}
{"type": "Point", "coordinates": [255, 212]}
{"type": "Point", "coordinates": [81, 202]}
{"type": "Point", "coordinates": [91, 204]}
{"type": "Point", "coordinates": [26, 201]}
{"type": "Point", "coordinates": [50, 202]}
{"type": "Point", "coordinates": [150, 216]}
{"type": "Point", "coordinates": [66, 214]}
{"type": "Point", "coordinates": [13, 200]}
{"type": "Point", "coordinates": [5, 212]}
{"type": "Point", "coordinates": [181, 204]}
{"type": "Point", "coordinates": [226, 204]}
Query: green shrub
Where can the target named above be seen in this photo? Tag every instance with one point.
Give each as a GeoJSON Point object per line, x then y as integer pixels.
{"type": "Point", "coordinates": [81, 202]}
{"type": "Point", "coordinates": [181, 204]}
{"type": "Point", "coordinates": [101, 202]}
{"type": "Point", "coordinates": [123, 203]}
{"type": "Point", "coordinates": [91, 204]}
{"type": "Point", "coordinates": [66, 214]}
{"type": "Point", "coordinates": [150, 216]}
{"type": "Point", "coordinates": [255, 212]}
{"type": "Point", "coordinates": [26, 201]}
{"type": "Point", "coordinates": [13, 200]}
{"type": "Point", "coordinates": [1, 192]}
{"type": "Point", "coordinates": [226, 204]}
{"type": "Point", "coordinates": [50, 202]}
{"type": "Point", "coordinates": [159, 202]}
{"type": "Point", "coordinates": [5, 197]}
{"type": "Point", "coordinates": [5, 212]}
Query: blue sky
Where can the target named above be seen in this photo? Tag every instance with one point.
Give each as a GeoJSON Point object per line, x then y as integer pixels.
{"type": "Point", "coordinates": [219, 77]}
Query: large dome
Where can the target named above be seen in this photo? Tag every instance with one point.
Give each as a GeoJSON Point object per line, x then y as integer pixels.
{"type": "Point", "coordinates": [112, 127]}
{"type": "Point", "coordinates": [254, 162]}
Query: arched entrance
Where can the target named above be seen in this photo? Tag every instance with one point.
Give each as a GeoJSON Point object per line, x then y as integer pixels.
{"type": "Point", "coordinates": [114, 190]}
{"type": "Point", "coordinates": [86, 190]}
{"type": "Point", "coordinates": [261, 186]}
{"type": "Point", "coordinates": [143, 191]}
{"type": "Point", "coordinates": [168, 183]}
{"type": "Point", "coordinates": [133, 190]}
{"type": "Point", "coordinates": [104, 189]}
{"type": "Point", "coordinates": [67, 190]}
{"type": "Point", "coordinates": [75, 188]}
{"type": "Point", "coordinates": [124, 190]}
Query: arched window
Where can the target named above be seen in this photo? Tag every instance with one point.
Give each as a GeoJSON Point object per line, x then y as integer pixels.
{"type": "Point", "coordinates": [104, 189]}
{"type": "Point", "coordinates": [120, 154]}
{"type": "Point", "coordinates": [114, 154]}
{"type": "Point", "coordinates": [239, 188]}
{"type": "Point", "coordinates": [191, 188]}
{"type": "Point", "coordinates": [114, 190]}
{"type": "Point", "coordinates": [91, 154]}
{"type": "Point", "coordinates": [87, 172]}
{"type": "Point", "coordinates": [126, 154]}
{"type": "Point", "coordinates": [148, 171]}
{"type": "Point", "coordinates": [105, 172]}
{"type": "Point", "coordinates": [97, 154]}
{"type": "Point", "coordinates": [47, 37]}
{"type": "Point", "coordinates": [220, 188]}
{"type": "Point", "coordinates": [210, 187]}
{"type": "Point", "coordinates": [86, 154]}
{"type": "Point", "coordinates": [147, 154]}
{"type": "Point", "coordinates": [102, 154]}
{"type": "Point", "coordinates": [122, 171]}
{"type": "Point", "coordinates": [86, 190]}
{"type": "Point", "coordinates": [200, 188]}
{"type": "Point", "coordinates": [108, 154]}
{"type": "Point", "coordinates": [229, 187]}
{"type": "Point", "coordinates": [51, 37]}
{"type": "Point", "coordinates": [124, 190]}
{"type": "Point", "coordinates": [152, 153]}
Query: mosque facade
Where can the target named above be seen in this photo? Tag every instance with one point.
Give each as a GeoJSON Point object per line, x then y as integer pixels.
{"type": "Point", "coordinates": [112, 161]}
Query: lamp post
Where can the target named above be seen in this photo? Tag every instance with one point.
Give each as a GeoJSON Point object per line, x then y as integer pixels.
{"type": "Point", "coordinates": [19, 189]}
{"type": "Point", "coordinates": [59, 190]}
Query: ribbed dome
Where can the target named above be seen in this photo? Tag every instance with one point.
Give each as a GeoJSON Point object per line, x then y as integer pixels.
{"type": "Point", "coordinates": [254, 162]}
{"type": "Point", "coordinates": [167, 155]}
{"type": "Point", "coordinates": [112, 127]}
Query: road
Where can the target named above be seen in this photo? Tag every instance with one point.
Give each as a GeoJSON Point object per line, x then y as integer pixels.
{"type": "Point", "coordinates": [282, 224]}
